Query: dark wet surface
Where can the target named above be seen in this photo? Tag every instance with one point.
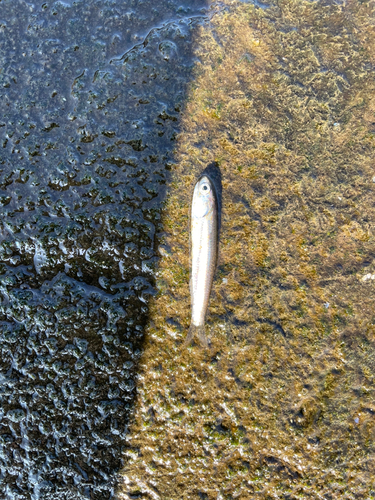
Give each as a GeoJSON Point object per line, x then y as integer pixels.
{"type": "Point", "coordinates": [90, 97]}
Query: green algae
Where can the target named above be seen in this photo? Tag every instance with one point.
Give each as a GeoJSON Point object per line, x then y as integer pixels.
{"type": "Point", "coordinates": [281, 406]}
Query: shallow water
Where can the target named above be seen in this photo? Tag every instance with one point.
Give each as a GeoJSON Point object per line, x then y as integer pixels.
{"type": "Point", "coordinates": [110, 110]}
{"type": "Point", "coordinates": [91, 94]}
{"type": "Point", "coordinates": [282, 405]}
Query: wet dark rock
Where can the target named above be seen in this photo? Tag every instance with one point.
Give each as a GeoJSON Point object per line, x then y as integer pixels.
{"type": "Point", "coordinates": [90, 94]}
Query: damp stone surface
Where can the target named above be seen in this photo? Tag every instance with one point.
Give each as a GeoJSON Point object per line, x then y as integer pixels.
{"type": "Point", "coordinates": [282, 404]}
{"type": "Point", "coordinates": [91, 94]}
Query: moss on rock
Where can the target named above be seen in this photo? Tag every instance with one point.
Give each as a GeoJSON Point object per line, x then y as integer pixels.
{"type": "Point", "coordinates": [282, 404]}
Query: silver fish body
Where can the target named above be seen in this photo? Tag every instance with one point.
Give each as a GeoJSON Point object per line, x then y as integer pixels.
{"type": "Point", "coordinates": [204, 234]}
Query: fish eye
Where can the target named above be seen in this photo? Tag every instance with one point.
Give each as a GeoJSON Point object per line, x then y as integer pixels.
{"type": "Point", "coordinates": [205, 188]}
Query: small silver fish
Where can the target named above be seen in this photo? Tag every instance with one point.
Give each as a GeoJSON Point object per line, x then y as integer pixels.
{"type": "Point", "coordinates": [204, 231]}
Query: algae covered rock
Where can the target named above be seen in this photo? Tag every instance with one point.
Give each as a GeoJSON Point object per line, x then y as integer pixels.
{"type": "Point", "coordinates": [281, 406]}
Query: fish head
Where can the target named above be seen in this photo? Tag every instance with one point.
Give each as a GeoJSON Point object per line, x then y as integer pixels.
{"type": "Point", "coordinates": [203, 198]}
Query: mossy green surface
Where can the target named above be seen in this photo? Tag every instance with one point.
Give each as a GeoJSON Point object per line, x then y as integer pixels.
{"type": "Point", "coordinates": [282, 405]}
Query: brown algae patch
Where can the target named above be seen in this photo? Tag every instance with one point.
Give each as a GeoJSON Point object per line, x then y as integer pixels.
{"type": "Point", "coordinates": [282, 406]}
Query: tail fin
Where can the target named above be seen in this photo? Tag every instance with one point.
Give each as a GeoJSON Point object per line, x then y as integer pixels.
{"type": "Point", "coordinates": [199, 332]}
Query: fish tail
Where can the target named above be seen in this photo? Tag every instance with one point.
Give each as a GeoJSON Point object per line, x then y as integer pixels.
{"type": "Point", "coordinates": [196, 331]}
{"type": "Point", "coordinates": [202, 336]}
